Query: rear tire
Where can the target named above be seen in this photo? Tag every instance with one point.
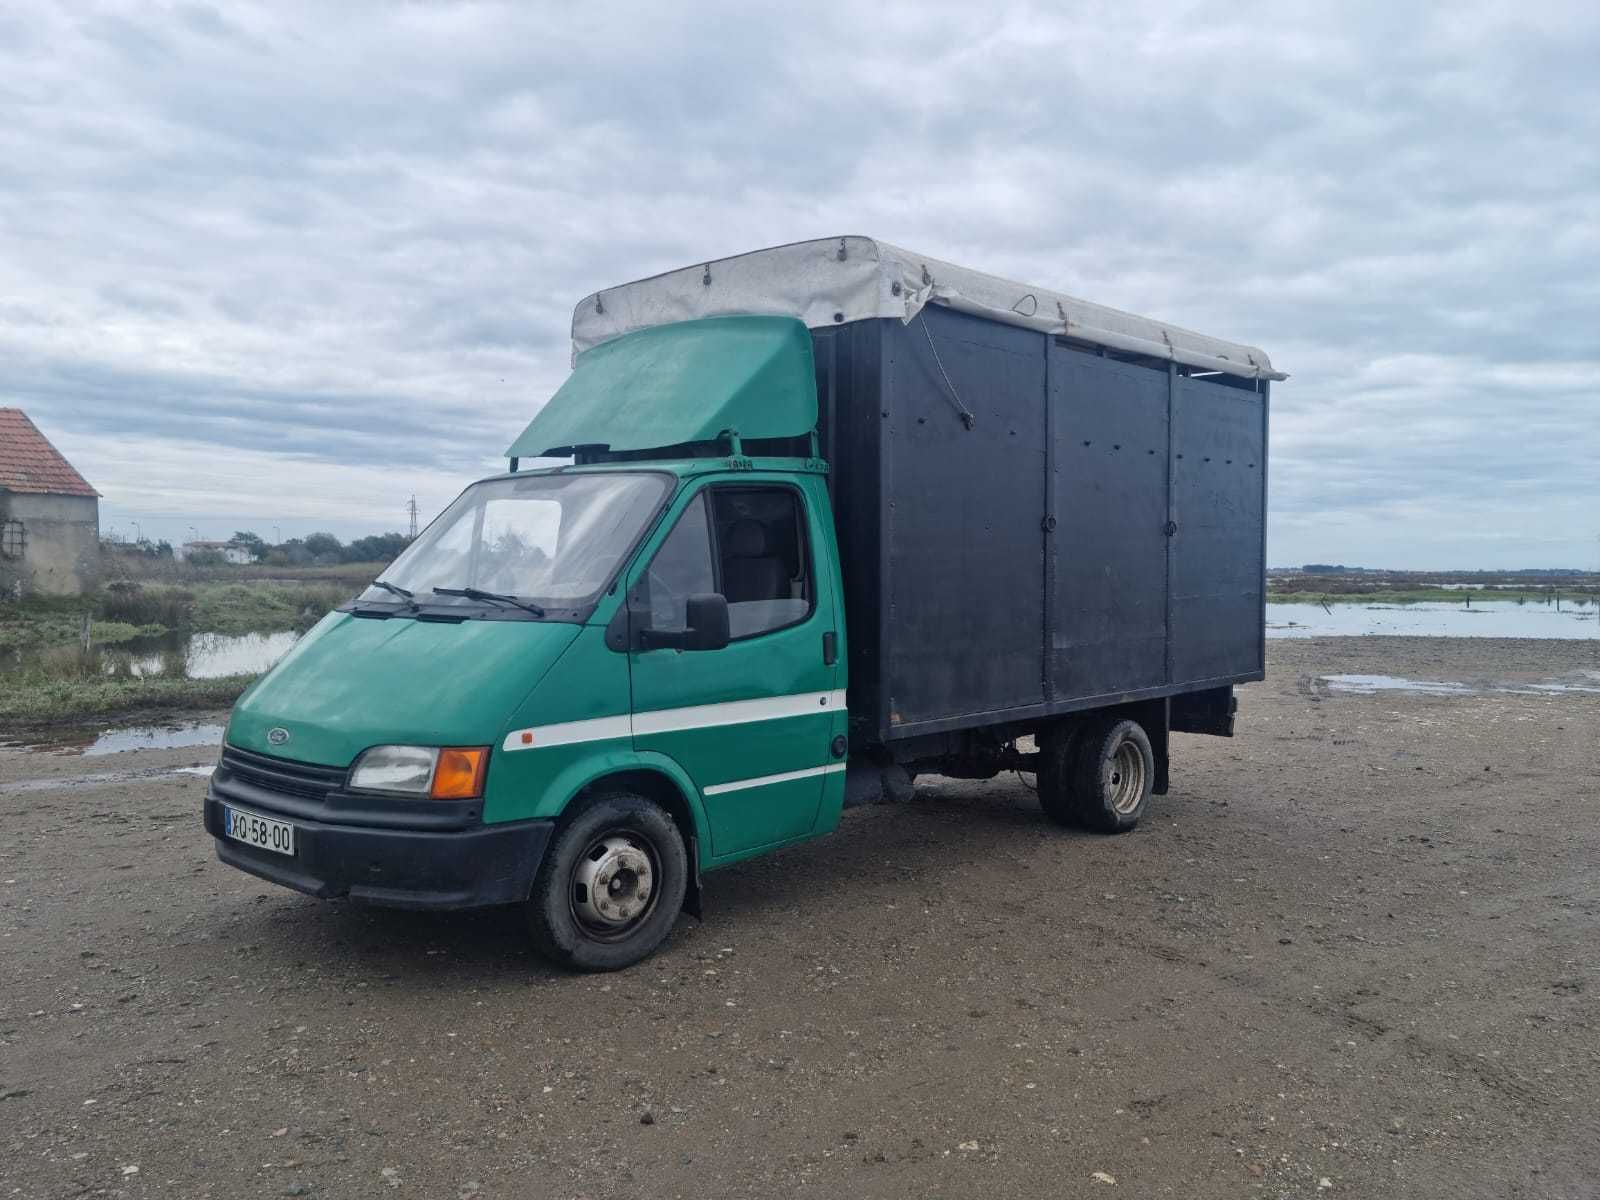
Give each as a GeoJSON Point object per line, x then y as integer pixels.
{"type": "Point", "coordinates": [1057, 779]}
{"type": "Point", "coordinates": [1113, 775]}
{"type": "Point", "coordinates": [611, 884]}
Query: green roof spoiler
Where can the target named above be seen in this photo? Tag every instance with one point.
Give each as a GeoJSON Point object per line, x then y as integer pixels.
{"type": "Point", "coordinates": [692, 381]}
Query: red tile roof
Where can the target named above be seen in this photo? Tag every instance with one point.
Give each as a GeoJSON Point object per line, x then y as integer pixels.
{"type": "Point", "coordinates": [29, 463]}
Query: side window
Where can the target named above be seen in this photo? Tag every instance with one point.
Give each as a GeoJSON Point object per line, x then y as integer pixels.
{"type": "Point", "coordinates": [13, 539]}
{"type": "Point", "coordinates": [681, 568]}
{"type": "Point", "coordinates": [764, 558]}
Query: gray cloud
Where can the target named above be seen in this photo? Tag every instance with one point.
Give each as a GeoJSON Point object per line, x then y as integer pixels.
{"type": "Point", "coordinates": [337, 247]}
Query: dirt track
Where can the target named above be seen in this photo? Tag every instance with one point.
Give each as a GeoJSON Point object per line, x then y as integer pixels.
{"type": "Point", "coordinates": [1353, 953]}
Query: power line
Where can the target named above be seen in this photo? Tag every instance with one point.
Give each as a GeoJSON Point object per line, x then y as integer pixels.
{"type": "Point", "coordinates": [411, 511]}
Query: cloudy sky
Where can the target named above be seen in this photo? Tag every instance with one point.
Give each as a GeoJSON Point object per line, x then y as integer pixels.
{"type": "Point", "coordinates": [286, 265]}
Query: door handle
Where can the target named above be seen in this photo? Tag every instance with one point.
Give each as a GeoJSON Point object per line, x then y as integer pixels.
{"type": "Point", "coordinates": [830, 648]}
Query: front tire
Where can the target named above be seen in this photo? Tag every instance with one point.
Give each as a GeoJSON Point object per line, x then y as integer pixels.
{"type": "Point", "coordinates": [611, 884]}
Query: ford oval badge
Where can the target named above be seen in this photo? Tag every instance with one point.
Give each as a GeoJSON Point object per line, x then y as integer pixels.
{"type": "Point", "coordinates": [277, 735]}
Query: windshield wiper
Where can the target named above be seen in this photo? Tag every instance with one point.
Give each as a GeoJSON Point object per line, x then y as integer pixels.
{"type": "Point", "coordinates": [471, 593]}
{"type": "Point", "coordinates": [398, 591]}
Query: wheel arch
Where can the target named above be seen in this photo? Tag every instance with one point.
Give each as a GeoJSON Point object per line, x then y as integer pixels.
{"type": "Point", "coordinates": [651, 775]}
{"type": "Point", "coordinates": [1153, 718]}
{"type": "Point", "coordinates": [666, 784]}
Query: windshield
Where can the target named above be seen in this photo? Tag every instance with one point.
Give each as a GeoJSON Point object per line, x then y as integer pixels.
{"type": "Point", "coordinates": [554, 540]}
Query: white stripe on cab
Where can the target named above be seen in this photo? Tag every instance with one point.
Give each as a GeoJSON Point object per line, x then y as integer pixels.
{"type": "Point", "coordinates": [675, 720]}
{"type": "Point", "coordinates": [738, 785]}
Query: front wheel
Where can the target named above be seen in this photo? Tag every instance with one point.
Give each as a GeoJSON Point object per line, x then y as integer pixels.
{"type": "Point", "coordinates": [611, 884]}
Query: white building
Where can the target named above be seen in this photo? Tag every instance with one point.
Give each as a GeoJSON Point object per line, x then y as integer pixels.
{"type": "Point", "coordinates": [231, 552]}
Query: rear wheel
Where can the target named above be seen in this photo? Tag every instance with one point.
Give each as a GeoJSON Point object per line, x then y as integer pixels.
{"type": "Point", "coordinates": [1058, 785]}
{"type": "Point", "coordinates": [611, 884]}
{"type": "Point", "coordinates": [1114, 772]}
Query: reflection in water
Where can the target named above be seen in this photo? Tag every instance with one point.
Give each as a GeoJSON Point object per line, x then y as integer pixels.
{"type": "Point", "coordinates": [74, 739]}
{"type": "Point", "coordinates": [155, 737]}
{"type": "Point", "coordinates": [1496, 618]}
{"type": "Point", "coordinates": [1368, 685]}
{"type": "Point", "coordinates": [192, 656]}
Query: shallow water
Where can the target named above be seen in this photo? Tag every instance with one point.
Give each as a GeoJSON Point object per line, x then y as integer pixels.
{"type": "Point", "coordinates": [155, 737]}
{"type": "Point", "coordinates": [1367, 685]}
{"type": "Point", "coordinates": [1498, 618]}
{"type": "Point", "coordinates": [94, 741]}
{"type": "Point", "coordinates": [1370, 685]}
{"type": "Point", "coordinates": [192, 656]}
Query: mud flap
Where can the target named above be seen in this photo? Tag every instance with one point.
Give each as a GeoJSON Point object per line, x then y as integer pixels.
{"type": "Point", "coordinates": [691, 894]}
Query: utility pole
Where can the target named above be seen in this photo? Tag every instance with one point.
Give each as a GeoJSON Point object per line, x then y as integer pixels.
{"type": "Point", "coordinates": [411, 511]}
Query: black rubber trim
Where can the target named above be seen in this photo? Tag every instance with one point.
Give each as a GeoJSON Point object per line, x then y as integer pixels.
{"type": "Point", "coordinates": [396, 868]}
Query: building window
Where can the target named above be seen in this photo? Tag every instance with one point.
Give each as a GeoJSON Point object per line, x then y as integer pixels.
{"type": "Point", "coordinates": [12, 539]}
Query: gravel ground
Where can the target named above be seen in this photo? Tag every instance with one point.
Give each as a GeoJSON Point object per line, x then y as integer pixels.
{"type": "Point", "coordinates": [1353, 953]}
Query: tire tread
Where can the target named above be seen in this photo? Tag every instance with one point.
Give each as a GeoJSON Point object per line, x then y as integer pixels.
{"type": "Point", "coordinates": [550, 925]}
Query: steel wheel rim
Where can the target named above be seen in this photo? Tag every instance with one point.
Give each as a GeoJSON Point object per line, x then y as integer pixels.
{"type": "Point", "coordinates": [1126, 777]}
{"type": "Point", "coordinates": [615, 885]}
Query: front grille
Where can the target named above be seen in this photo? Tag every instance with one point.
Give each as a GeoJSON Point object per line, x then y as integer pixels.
{"type": "Point", "coordinates": [309, 781]}
{"type": "Point", "coordinates": [310, 792]}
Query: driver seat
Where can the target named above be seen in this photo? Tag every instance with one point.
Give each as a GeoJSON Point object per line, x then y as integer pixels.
{"type": "Point", "coordinates": [749, 570]}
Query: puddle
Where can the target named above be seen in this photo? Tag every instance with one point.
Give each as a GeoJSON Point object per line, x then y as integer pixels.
{"type": "Point", "coordinates": [93, 743]}
{"type": "Point", "coordinates": [191, 656]}
{"type": "Point", "coordinates": [90, 744]}
{"type": "Point", "coordinates": [1368, 685]}
{"type": "Point", "coordinates": [1494, 618]}
{"type": "Point", "coordinates": [154, 737]}
{"type": "Point", "coordinates": [1371, 685]}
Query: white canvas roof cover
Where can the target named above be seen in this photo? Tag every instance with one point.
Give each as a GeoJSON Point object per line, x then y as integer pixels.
{"type": "Point", "coordinates": [833, 280]}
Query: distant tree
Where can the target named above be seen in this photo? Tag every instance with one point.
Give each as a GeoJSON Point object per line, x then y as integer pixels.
{"type": "Point", "coordinates": [320, 545]}
{"type": "Point", "coordinates": [162, 549]}
{"type": "Point", "coordinates": [378, 547]}
{"type": "Point", "coordinates": [253, 542]}
{"type": "Point", "coordinates": [292, 553]}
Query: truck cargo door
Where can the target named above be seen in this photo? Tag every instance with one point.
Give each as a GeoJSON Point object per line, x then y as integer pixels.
{"type": "Point", "coordinates": [1109, 457]}
{"type": "Point", "coordinates": [1218, 549]}
{"type": "Point", "coordinates": [964, 484]}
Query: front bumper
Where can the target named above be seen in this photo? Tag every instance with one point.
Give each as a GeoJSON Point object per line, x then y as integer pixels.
{"type": "Point", "coordinates": [466, 868]}
{"type": "Point", "coordinates": [404, 854]}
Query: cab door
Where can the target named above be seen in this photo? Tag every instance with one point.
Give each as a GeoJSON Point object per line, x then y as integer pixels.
{"type": "Point", "coordinates": [753, 722]}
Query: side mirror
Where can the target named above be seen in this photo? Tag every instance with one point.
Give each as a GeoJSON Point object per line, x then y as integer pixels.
{"type": "Point", "coordinates": [706, 626]}
{"type": "Point", "coordinates": [707, 619]}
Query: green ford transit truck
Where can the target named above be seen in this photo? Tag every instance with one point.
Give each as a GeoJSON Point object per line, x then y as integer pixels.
{"type": "Point", "coordinates": [825, 517]}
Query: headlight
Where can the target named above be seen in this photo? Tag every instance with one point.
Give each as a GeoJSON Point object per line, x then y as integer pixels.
{"type": "Point", "coordinates": [442, 773]}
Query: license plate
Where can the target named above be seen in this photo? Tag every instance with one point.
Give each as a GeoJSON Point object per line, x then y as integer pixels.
{"type": "Point", "coordinates": [255, 830]}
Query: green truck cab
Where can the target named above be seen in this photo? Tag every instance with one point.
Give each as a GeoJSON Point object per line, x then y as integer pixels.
{"type": "Point", "coordinates": [583, 686]}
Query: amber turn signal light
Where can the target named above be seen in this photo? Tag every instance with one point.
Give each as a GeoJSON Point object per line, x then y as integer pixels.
{"type": "Point", "coordinates": [459, 773]}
